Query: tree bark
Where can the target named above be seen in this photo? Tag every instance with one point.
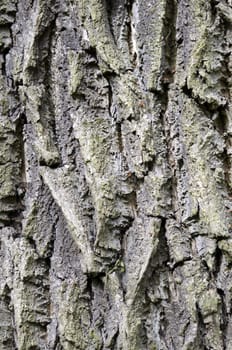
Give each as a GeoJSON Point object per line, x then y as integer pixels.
{"type": "Point", "coordinates": [115, 174]}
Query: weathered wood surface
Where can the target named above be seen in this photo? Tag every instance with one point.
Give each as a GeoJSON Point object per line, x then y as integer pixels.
{"type": "Point", "coordinates": [115, 175]}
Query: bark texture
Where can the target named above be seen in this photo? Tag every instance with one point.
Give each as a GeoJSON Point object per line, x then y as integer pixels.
{"type": "Point", "coordinates": [115, 175]}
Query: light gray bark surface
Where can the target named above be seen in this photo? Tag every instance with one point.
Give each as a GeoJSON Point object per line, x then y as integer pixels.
{"type": "Point", "coordinates": [115, 175]}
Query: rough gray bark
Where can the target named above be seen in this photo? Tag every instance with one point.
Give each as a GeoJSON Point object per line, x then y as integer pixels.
{"type": "Point", "coordinates": [115, 174]}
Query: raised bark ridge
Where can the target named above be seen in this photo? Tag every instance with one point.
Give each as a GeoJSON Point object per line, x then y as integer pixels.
{"type": "Point", "coordinates": [115, 173]}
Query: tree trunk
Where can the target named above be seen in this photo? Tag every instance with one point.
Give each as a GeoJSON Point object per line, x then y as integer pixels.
{"type": "Point", "coordinates": [115, 174]}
